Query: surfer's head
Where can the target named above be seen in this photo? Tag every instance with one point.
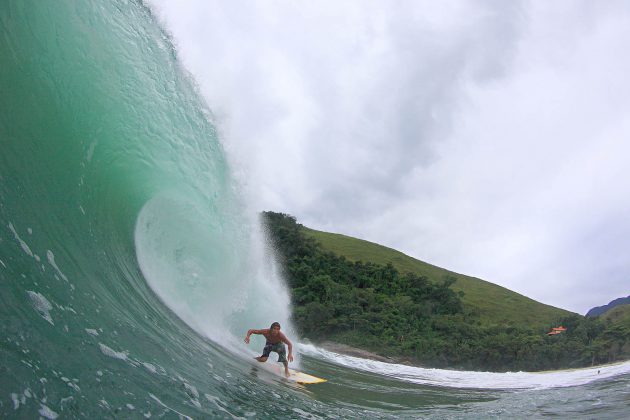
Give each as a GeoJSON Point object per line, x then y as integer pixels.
{"type": "Point", "coordinates": [275, 328]}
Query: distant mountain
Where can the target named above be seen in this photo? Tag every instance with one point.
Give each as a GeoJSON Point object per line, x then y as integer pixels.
{"type": "Point", "coordinates": [598, 310]}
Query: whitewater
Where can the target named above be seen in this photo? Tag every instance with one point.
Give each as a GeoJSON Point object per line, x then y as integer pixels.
{"type": "Point", "coordinates": [131, 267]}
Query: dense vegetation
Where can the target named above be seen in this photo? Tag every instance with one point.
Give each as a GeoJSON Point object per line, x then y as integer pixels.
{"type": "Point", "coordinates": [490, 303]}
{"type": "Point", "coordinates": [420, 319]}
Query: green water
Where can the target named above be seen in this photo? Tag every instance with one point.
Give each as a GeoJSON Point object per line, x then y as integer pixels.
{"type": "Point", "coordinates": [130, 268]}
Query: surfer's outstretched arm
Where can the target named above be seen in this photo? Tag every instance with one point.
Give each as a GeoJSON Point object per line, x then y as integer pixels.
{"type": "Point", "coordinates": [250, 332]}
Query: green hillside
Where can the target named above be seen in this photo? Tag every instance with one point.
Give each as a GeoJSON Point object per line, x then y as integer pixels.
{"type": "Point", "coordinates": [361, 294]}
{"type": "Point", "coordinates": [618, 315]}
{"type": "Point", "coordinates": [490, 302]}
{"type": "Point", "coordinates": [618, 330]}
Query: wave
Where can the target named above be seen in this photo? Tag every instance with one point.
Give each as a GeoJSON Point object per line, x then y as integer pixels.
{"type": "Point", "coordinates": [130, 267]}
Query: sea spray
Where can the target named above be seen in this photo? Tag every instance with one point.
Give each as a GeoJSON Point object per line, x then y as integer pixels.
{"type": "Point", "coordinates": [216, 277]}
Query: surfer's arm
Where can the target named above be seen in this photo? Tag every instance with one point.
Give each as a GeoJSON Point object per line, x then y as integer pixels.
{"type": "Point", "coordinates": [289, 345]}
{"type": "Point", "coordinates": [250, 332]}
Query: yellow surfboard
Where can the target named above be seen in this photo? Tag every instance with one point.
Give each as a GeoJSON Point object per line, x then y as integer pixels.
{"type": "Point", "coordinates": [304, 378]}
{"type": "Point", "coordinates": [297, 376]}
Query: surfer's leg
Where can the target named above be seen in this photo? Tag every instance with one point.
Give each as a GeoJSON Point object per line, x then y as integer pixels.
{"type": "Point", "coordinates": [282, 357]}
{"type": "Point", "coordinates": [286, 369]}
{"type": "Point", "coordinates": [266, 352]}
{"type": "Point", "coordinates": [282, 352]}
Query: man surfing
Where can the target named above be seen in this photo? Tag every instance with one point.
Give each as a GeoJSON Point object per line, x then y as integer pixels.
{"type": "Point", "coordinates": [275, 342]}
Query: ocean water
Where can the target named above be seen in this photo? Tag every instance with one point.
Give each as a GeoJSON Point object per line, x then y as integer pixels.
{"type": "Point", "coordinates": [131, 267]}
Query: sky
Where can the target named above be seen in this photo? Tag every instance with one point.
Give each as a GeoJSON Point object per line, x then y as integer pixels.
{"type": "Point", "coordinates": [490, 138]}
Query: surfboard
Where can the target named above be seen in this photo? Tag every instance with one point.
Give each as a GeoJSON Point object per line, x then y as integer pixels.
{"type": "Point", "coordinates": [304, 378]}
{"type": "Point", "coordinates": [297, 376]}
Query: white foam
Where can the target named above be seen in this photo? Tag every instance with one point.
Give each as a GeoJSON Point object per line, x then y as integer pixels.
{"type": "Point", "coordinates": [166, 406]}
{"type": "Point", "coordinates": [220, 405]}
{"type": "Point", "coordinates": [48, 413]}
{"type": "Point", "coordinates": [16, 401]}
{"type": "Point", "coordinates": [191, 390]}
{"type": "Point", "coordinates": [472, 379]}
{"type": "Point", "coordinates": [41, 305]}
{"type": "Point", "coordinates": [23, 244]}
{"type": "Point", "coordinates": [306, 415]}
{"type": "Point", "coordinates": [107, 351]}
{"type": "Point", "coordinates": [149, 367]}
{"type": "Point", "coordinates": [74, 386]}
{"type": "Point", "coordinates": [51, 261]}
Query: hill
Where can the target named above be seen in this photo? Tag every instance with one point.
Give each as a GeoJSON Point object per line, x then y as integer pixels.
{"type": "Point", "coordinates": [491, 303]}
{"type": "Point", "coordinates": [619, 314]}
{"type": "Point", "coordinates": [618, 326]}
{"type": "Point", "coordinates": [357, 293]}
{"type": "Point", "coordinates": [598, 310]}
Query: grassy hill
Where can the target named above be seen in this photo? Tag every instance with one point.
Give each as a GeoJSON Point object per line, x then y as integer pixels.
{"type": "Point", "coordinates": [493, 304]}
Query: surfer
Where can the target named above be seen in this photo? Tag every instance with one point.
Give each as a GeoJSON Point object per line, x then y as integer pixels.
{"type": "Point", "coordinates": [275, 342]}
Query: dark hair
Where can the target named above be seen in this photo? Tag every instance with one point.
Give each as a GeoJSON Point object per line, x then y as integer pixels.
{"type": "Point", "coordinates": [275, 324]}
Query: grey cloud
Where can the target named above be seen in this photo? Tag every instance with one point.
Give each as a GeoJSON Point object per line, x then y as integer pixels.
{"type": "Point", "coordinates": [487, 137]}
{"type": "Point", "coordinates": [409, 103]}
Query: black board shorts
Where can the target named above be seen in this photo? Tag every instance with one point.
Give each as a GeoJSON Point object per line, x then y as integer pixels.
{"type": "Point", "coordinates": [278, 348]}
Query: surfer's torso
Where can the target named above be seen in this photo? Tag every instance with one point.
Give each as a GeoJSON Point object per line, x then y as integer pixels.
{"type": "Point", "coordinates": [273, 338]}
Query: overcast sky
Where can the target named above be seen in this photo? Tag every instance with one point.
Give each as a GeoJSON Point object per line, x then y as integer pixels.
{"type": "Point", "coordinates": [491, 138]}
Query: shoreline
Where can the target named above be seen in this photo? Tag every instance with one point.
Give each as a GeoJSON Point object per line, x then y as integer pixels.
{"type": "Point", "coordinates": [347, 350]}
